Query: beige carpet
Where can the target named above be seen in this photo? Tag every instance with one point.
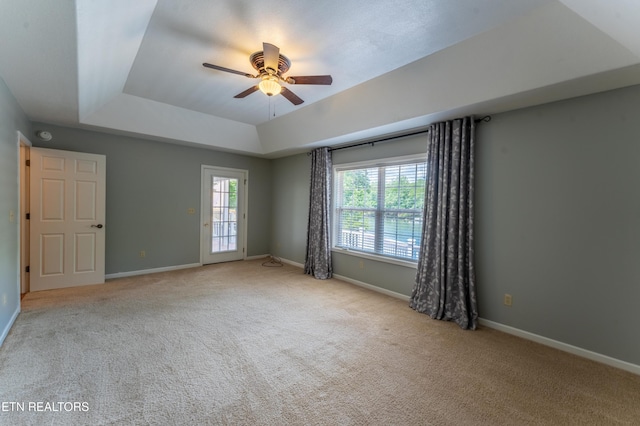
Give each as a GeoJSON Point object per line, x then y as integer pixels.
{"type": "Point", "coordinates": [243, 344]}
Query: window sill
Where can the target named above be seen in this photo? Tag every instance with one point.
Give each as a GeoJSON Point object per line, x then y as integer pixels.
{"type": "Point", "coordinates": [377, 258]}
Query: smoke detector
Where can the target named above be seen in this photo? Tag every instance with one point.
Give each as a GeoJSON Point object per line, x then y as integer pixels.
{"type": "Point", "coordinates": [44, 135]}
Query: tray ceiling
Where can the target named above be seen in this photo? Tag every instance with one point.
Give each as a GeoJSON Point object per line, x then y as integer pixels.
{"type": "Point", "coordinates": [136, 67]}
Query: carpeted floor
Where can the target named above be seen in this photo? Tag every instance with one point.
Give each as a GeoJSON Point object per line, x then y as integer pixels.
{"type": "Point", "coordinates": [243, 344]}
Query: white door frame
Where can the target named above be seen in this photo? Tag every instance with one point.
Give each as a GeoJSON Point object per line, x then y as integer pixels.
{"type": "Point", "coordinates": [23, 208]}
{"type": "Point", "coordinates": [203, 208]}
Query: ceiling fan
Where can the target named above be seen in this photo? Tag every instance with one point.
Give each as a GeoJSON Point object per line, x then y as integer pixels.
{"type": "Point", "coordinates": [271, 67]}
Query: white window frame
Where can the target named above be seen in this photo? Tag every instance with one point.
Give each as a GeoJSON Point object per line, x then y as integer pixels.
{"type": "Point", "coordinates": [389, 161]}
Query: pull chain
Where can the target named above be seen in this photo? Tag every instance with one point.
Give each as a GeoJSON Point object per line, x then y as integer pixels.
{"type": "Point", "coordinates": [269, 111]}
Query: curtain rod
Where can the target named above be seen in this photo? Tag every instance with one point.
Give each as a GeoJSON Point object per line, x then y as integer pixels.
{"type": "Point", "coordinates": [485, 119]}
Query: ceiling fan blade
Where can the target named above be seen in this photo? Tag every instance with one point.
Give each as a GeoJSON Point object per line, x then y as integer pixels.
{"type": "Point", "coordinates": [247, 92]}
{"type": "Point", "coordinates": [292, 97]}
{"type": "Point", "coordinates": [310, 79]}
{"type": "Point", "coordinates": [271, 56]}
{"type": "Point", "coordinates": [219, 68]}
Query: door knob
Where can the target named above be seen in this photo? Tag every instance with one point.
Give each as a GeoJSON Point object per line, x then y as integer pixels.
{"type": "Point", "coordinates": [99, 226]}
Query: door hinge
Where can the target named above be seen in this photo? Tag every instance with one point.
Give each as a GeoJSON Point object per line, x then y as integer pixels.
{"type": "Point", "coordinates": [243, 249]}
{"type": "Point", "coordinates": [28, 163]}
{"type": "Point", "coordinates": [28, 216]}
{"type": "Point", "coordinates": [245, 181]}
{"type": "Point", "coordinates": [26, 269]}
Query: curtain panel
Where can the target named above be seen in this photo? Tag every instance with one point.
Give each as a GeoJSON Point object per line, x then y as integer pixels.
{"type": "Point", "coordinates": [445, 286]}
{"type": "Point", "coordinates": [318, 257]}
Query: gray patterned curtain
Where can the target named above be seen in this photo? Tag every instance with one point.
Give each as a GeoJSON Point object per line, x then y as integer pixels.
{"type": "Point", "coordinates": [318, 260]}
{"type": "Point", "coordinates": [445, 286]}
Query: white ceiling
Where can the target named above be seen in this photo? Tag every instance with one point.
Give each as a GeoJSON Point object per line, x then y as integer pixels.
{"type": "Point", "coordinates": [136, 67]}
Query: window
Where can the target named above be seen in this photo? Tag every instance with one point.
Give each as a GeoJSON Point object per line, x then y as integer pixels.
{"type": "Point", "coordinates": [378, 207]}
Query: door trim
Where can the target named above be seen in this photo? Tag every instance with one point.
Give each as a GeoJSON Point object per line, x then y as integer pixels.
{"type": "Point", "coordinates": [23, 225]}
{"type": "Point", "coordinates": [245, 200]}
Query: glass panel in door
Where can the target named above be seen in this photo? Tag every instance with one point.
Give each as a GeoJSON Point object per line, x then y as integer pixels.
{"type": "Point", "coordinates": [224, 220]}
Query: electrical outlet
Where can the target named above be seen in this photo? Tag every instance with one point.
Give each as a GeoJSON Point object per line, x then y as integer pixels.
{"type": "Point", "coordinates": [361, 264]}
{"type": "Point", "coordinates": [191, 210]}
{"type": "Point", "coordinates": [4, 300]}
{"type": "Point", "coordinates": [143, 253]}
{"type": "Point", "coordinates": [508, 300]}
{"type": "Point", "coordinates": [12, 216]}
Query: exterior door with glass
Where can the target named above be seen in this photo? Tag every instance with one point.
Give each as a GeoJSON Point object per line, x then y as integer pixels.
{"type": "Point", "coordinates": [223, 214]}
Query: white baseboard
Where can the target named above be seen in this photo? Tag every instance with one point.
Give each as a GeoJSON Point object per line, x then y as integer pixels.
{"type": "Point", "coordinates": [151, 271]}
{"type": "Point", "coordinates": [356, 282]}
{"type": "Point", "coordinates": [6, 330]}
{"type": "Point", "coordinates": [584, 353]}
{"type": "Point", "coordinates": [292, 263]}
{"type": "Point", "coordinates": [167, 268]}
{"type": "Point", "coordinates": [260, 256]}
{"type": "Point", "coordinates": [373, 287]}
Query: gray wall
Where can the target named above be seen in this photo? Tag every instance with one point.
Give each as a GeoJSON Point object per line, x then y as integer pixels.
{"type": "Point", "coordinates": [290, 207]}
{"type": "Point", "coordinates": [150, 186]}
{"type": "Point", "coordinates": [557, 220]}
{"type": "Point", "coordinates": [12, 119]}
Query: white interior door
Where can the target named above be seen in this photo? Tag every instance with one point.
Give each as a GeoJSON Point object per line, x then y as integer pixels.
{"type": "Point", "coordinates": [223, 214]}
{"type": "Point", "coordinates": [67, 202]}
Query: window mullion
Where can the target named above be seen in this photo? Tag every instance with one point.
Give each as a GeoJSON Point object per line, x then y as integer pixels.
{"type": "Point", "coordinates": [379, 225]}
{"type": "Point", "coordinates": [338, 204]}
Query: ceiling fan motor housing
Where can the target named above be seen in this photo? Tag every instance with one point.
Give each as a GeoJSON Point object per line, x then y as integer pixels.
{"type": "Point", "coordinates": [257, 61]}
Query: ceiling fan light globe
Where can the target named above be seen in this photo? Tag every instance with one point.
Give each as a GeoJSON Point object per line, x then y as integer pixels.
{"type": "Point", "coordinates": [270, 86]}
